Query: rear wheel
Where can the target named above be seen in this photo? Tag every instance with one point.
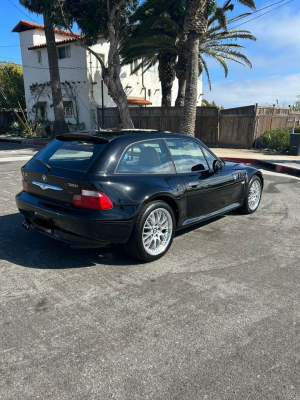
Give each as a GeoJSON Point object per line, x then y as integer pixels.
{"type": "Point", "coordinates": [153, 232]}
{"type": "Point", "coordinates": [252, 196]}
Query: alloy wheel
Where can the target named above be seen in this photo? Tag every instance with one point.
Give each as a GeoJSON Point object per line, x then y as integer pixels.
{"type": "Point", "coordinates": [157, 231]}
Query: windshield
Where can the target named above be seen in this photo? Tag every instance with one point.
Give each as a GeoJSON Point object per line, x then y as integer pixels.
{"type": "Point", "coordinates": [72, 154]}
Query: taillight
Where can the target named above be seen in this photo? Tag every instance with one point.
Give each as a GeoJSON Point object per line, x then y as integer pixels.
{"type": "Point", "coordinates": [93, 200]}
{"type": "Point", "coordinates": [25, 185]}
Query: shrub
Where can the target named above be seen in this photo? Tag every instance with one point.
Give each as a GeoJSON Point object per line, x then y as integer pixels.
{"type": "Point", "coordinates": [297, 129]}
{"type": "Point", "coordinates": [277, 139]}
{"type": "Point", "coordinates": [15, 127]}
{"type": "Point", "coordinates": [34, 131]}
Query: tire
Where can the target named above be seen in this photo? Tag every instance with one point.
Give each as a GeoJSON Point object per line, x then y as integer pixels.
{"type": "Point", "coordinates": [252, 201]}
{"type": "Point", "coordinates": [147, 232]}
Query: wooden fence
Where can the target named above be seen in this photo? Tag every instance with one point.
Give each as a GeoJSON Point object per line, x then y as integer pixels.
{"type": "Point", "coordinates": [233, 127]}
{"type": "Point", "coordinates": [6, 119]}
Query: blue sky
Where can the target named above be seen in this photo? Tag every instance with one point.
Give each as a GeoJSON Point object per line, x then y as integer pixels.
{"type": "Point", "coordinates": [275, 56]}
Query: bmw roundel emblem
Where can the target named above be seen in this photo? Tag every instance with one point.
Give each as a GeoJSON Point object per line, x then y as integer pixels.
{"type": "Point", "coordinates": [44, 178]}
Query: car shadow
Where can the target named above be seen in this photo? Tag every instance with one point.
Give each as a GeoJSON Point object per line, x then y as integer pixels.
{"type": "Point", "coordinates": [31, 249]}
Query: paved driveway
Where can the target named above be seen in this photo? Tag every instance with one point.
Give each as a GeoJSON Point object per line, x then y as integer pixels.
{"type": "Point", "coordinates": [217, 318]}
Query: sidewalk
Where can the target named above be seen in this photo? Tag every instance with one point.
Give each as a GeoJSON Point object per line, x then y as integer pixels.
{"type": "Point", "coordinates": [33, 142]}
{"type": "Point", "coordinates": [281, 162]}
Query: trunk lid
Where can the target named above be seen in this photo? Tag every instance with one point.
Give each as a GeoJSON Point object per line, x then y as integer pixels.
{"type": "Point", "coordinates": [57, 185]}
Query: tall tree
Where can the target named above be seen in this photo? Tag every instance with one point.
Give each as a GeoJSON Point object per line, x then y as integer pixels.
{"type": "Point", "coordinates": [109, 18]}
{"type": "Point", "coordinates": [195, 26]}
{"type": "Point", "coordinates": [47, 9]}
{"type": "Point", "coordinates": [154, 33]}
{"type": "Point", "coordinates": [156, 25]}
{"type": "Point", "coordinates": [12, 85]}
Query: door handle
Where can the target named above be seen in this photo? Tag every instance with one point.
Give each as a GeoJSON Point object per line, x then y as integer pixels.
{"type": "Point", "coordinates": [193, 184]}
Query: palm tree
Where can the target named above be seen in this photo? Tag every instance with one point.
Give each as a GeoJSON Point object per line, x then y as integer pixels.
{"type": "Point", "coordinates": [153, 35]}
{"type": "Point", "coordinates": [195, 26]}
{"type": "Point", "coordinates": [45, 8]}
{"type": "Point", "coordinates": [153, 38]}
{"type": "Point", "coordinates": [60, 126]}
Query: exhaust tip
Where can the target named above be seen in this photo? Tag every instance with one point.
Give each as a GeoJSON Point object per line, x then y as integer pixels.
{"type": "Point", "coordinates": [26, 225]}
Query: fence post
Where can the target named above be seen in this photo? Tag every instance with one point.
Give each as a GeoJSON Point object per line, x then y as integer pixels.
{"type": "Point", "coordinates": [255, 125]}
{"type": "Point", "coordinates": [294, 124]}
{"type": "Point", "coordinates": [218, 126]}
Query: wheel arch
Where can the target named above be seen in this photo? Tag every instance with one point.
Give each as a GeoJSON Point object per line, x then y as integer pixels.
{"type": "Point", "coordinates": [170, 201]}
{"type": "Point", "coordinates": [260, 175]}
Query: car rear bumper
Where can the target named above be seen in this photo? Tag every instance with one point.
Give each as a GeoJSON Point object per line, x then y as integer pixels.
{"type": "Point", "coordinates": [75, 225]}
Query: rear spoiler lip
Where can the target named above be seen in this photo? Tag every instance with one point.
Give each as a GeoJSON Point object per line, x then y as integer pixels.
{"type": "Point", "coordinates": [68, 136]}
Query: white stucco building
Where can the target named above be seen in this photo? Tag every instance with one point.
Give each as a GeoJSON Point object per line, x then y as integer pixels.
{"type": "Point", "coordinates": [80, 75]}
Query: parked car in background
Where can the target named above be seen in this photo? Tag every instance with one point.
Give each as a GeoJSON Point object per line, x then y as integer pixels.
{"type": "Point", "coordinates": [133, 187]}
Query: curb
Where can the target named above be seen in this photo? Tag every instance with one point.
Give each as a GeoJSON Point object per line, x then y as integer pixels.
{"type": "Point", "coordinates": [26, 141]}
{"type": "Point", "coordinates": [278, 167]}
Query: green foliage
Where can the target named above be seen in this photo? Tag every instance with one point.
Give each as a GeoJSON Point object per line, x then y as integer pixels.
{"type": "Point", "coordinates": [206, 103]}
{"type": "Point", "coordinates": [91, 16]}
{"type": "Point", "coordinates": [297, 129]}
{"type": "Point", "coordinates": [11, 85]}
{"type": "Point", "coordinates": [15, 127]}
{"type": "Point", "coordinates": [159, 29]}
{"type": "Point", "coordinates": [34, 131]}
{"type": "Point", "coordinates": [277, 139]}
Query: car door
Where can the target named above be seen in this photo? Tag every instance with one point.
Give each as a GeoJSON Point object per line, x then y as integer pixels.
{"type": "Point", "coordinates": [206, 190]}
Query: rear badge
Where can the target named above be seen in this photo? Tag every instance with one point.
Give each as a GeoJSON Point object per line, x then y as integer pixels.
{"type": "Point", "coordinates": [72, 184]}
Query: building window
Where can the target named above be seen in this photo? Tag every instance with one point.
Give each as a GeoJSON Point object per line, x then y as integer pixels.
{"type": "Point", "coordinates": [40, 109]}
{"type": "Point", "coordinates": [98, 65]}
{"type": "Point", "coordinates": [39, 53]}
{"type": "Point", "coordinates": [133, 66]}
{"type": "Point", "coordinates": [64, 52]}
{"type": "Point", "coordinates": [68, 109]}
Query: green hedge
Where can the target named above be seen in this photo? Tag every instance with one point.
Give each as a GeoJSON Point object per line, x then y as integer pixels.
{"type": "Point", "coordinates": [277, 139]}
{"type": "Point", "coordinates": [297, 129]}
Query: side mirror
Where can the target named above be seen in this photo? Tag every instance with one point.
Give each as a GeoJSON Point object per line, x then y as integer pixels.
{"type": "Point", "coordinates": [217, 166]}
{"type": "Point", "coordinates": [198, 167]}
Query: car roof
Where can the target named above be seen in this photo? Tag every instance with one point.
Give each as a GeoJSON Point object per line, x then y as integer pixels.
{"type": "Point", "coordinates": [135, 134]}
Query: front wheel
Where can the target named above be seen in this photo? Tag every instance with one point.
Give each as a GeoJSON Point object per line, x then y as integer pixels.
{"type": "Point", "coordinates": [153, 232]}
{"type": "Point", "coordinates": [252, 196]}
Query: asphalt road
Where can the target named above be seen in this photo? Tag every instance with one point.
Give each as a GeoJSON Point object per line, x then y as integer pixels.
{"type": "Point", "coordinates": [217, 318]}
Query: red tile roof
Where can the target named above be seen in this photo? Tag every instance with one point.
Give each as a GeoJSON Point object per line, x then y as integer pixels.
{"type": "Point", "coordinates": [57, 42]}
{"type": "Point", "coordinates": [26, 25]}
{"type": "Point", "coordinates": [138, 101]}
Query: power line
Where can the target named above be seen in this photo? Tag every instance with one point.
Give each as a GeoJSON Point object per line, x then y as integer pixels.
{"type": "Point", "coordinates": [267, 12]}
{"type": "Point", "coordinates": [22, 11]}
{"type": "Point", "coordinates": [256, 11]}
{"type": "Point", "coordinates": [245, 16]}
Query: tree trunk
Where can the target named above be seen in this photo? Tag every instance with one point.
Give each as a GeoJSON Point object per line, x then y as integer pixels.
{"type": "Point", "coordinates": [181, 69]}
{"type": "Point", "coordinates": [195, 25]}
{"type": "Point", "coordinates": [166, 71]}
{"type": "Point", "coordinates": [188, 120]}
{"type": "Point", "coordinates": [111, 74]}
{"type": "Point", "coordinates": [111, 78]}
{"type": "Point", "coordinates": [60, 126]}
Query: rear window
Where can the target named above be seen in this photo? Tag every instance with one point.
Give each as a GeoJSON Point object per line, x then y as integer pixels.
{"type": "Point", "coordinates": [72, 154]}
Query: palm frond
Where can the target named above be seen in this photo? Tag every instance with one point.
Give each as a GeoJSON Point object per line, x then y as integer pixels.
{"type": "Point", "coordinates": [248, 3]}
{"type": "Point", "coordinates": [203, 67]}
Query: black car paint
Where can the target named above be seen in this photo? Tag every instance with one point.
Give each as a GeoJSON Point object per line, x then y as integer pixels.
{"type": "Point", "coordinates": [194, 196]}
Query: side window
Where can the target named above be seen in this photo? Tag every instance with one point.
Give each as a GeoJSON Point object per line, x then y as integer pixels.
{"type": "Point", "coordinates": [187, 155]}
{"type": "Point", "coordinates": [147, 157]}
{"type": "Point", "coordinates": [209, 157]}
{"type": "Point", "coordinates": [39, 53]}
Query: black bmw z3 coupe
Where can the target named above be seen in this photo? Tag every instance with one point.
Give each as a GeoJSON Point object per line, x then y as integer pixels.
{"type": "Point", "coordinates": [135, 188]}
